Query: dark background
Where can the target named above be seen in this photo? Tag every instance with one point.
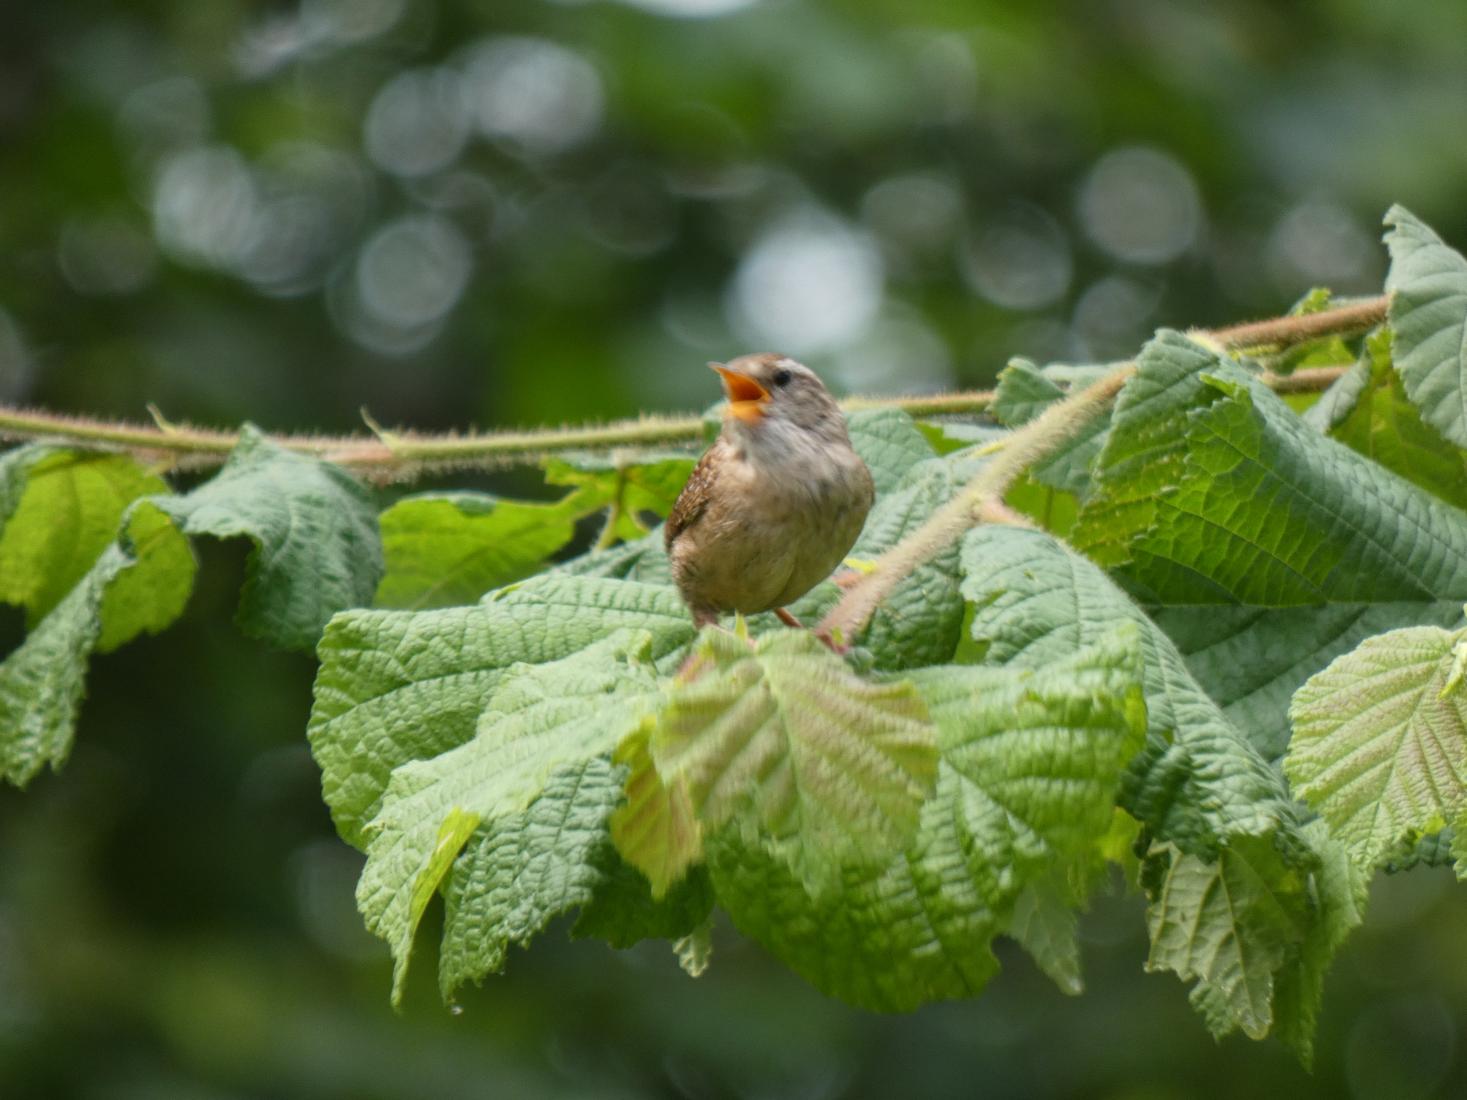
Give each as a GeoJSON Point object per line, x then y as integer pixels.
{"type": "Point", "coordinates": [500, 212]}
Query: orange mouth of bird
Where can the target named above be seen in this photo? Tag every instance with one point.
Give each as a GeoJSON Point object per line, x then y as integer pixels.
{"type": "Point", "coordinates": [746, 398]}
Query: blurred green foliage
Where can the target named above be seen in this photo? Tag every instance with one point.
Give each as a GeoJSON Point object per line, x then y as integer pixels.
{"type": "Point", "coordinates": [464, 211]}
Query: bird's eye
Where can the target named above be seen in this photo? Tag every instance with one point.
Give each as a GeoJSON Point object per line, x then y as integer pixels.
{"type": "Point", "coordinates": [782, 377]}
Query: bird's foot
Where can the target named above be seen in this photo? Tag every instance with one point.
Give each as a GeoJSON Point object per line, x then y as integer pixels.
{"type": "Point", "coordinates": [838, 647]}
{"type": "Point", "coordinates": [825, 637]}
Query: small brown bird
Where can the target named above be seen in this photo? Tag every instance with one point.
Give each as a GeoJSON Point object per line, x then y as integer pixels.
{"type": "Point", "coordinates": [778, 500]}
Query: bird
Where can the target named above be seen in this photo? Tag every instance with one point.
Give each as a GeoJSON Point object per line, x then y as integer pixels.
{"type": "Point", "coordinates": [778, 500]}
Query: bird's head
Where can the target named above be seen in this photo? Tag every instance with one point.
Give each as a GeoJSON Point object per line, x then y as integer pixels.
{"type": "Point", "coordinates": [769, 391]}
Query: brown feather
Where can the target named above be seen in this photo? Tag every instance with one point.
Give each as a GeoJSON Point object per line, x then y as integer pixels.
{"type": "Point", "coordinates": [694, 498]}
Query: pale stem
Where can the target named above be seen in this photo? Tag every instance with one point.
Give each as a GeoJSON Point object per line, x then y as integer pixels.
{"type": "Point", "coordinates": [981, 496]}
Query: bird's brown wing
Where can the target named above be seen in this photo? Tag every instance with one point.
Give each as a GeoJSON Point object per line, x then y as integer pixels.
{"type": "Point", "coordinates": [694, 498]}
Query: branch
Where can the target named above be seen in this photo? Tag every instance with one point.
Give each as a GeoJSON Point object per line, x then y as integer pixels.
{"type": "Point", "coordinates": [400, 456]}
{"type": "Point", "coordinates": [395, 455]}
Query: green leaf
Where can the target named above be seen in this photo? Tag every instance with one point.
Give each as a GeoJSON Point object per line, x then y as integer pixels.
{"type": "Point", "coordinates": [1263, 547]}
{"type": "Point", "coordinates": [1384, 426]}
{"type": "Point", "coordinates": [643, 559]}
{"type": "Point", "coordinates": [1197, 781]}
{"type": "Point", "coordinates": [1459, 846]}
{"type": "Point", "coordinates": [1023, 393]}
{"type": "Point", "coordinates": [1256, 930]}
{"type": "Point", "coordinates": [148, 596]}
{"type": "Point", "coordinates": [785, 744]}
{"type": "Point", "coordinates": [1338, 898]}
{"type": "Point", "coordinates": [1045, 925]}
{"type": "Point", "coordinates": [1428, 312]}
{"type": "Point", "coordinates": [317, 548]}
{"type": "Point", "coordinates": [650, 484]}
{"type": "Point", "coordinates": [1230, 925]}
{"type": "Point", "coordinates": [67, 512]}
{"type": "Point", "coordinates": [41, 682]}
{"type": "Point", "coordinates": [890, 443]}
{"type": "Point", "coordinates": [657, 829]}
{"type": "Point", "coordinates": [1025, 390]}
{"type": "Point", "coordinates": [1145, 450]}
{"type": "Point", "coordinates": [519, 871]}
{"type": "Point", "coordinates": [396, 686]}
{"type": "Point", "coordinates": [622, 910]}
{"type": "Point", "coordinates": [448, 549]}
{"type": "Point", "coordinates": [545, 720]}
{"type": "Point", "coordinates": [1337, 403]}
{"type": "Point", "coordinates": [1053, 509]}
{"type": "Point", "coordinates": [1380, 740]}
{"type": "Point", "coordinates": [1432, 850]}
{"type": "Point", "coordinates": [1031, 759]}
{"type": "Point", "coordinates": [1251, 660]}
{"type": "Point", "coordinates": [921, 621]}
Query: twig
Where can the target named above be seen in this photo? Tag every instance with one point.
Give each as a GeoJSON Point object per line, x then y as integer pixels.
{"type": "Point", "coordinates": [1284, 332]}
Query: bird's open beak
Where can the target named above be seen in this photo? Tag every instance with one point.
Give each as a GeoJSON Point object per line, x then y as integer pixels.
{"type": "Point", "coordinates": [746, 398]}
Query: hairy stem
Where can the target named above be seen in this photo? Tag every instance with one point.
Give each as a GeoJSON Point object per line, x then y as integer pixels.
{"type": "Point", "coordinates": [982, 496]}
{"type": "Point", "coordinates": [389, 455]}
{"type": "Point", "coordinates": [1284, 332]}
{"type": "Point", "coordinates": [408, 454]}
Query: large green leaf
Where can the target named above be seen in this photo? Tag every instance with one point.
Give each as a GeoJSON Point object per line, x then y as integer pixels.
{"type": "Point", "coordinates": [317, 547]}
{"type": "Point", "coordinates": [1198, 780]}
{"type": "Point", "coordinates": [781, 742]}
{"type": "Point", "coordinates": [1031, 759]}
{"type": "Point", "coordinates": [396, 686]}
{"type": "Point", "coordinates": [1380, 739]}
{"type": "Point", "coordinates": [1251, 660]}
{"type": "Point", "coordinates": [1264, 548]}
{"type": "Point", "coordinates": [1428, 311]}
{"type": "Point", "coordinates": [1240, 502]}
{"type": "Point", "coordinates": [447, 549]}
{"type": "Point", "coordinates": [41, 682]}
{"type": "Point", "coordinates": [539, 737]}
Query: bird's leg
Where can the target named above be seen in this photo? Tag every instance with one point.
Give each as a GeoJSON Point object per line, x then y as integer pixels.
{"type": "Point", "coordinates": [787, 617]}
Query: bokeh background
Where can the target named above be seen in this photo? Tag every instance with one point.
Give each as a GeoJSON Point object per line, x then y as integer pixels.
{"type": "Point", "coordinates": [490, 212]}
